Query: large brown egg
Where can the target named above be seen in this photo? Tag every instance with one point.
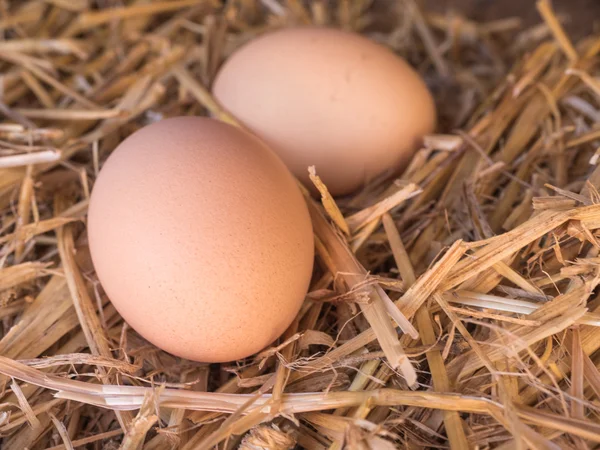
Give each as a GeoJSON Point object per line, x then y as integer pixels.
{"type": "Point", "coordinates": [201, 239]}
{"type": "Point", "coordinates": [328, 98]}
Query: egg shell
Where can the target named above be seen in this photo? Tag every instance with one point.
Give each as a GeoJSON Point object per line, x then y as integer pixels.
{"type": "Point", "coordinates": [201, 239]}
{"type": "Point", "coordinates": [328, 98]}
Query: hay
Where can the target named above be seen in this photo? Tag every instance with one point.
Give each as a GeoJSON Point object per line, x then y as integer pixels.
{"type": "Point", "coordinates": [454, 306]}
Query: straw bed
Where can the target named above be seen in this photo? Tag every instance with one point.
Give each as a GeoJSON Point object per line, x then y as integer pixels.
{"type": "Point", "coordinates": [454, 305]}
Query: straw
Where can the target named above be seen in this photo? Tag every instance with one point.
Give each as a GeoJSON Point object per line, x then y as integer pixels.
{"type": "Point", "coordinates": [453, 305]}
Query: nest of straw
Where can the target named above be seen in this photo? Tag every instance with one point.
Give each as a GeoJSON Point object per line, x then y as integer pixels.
{"type": "Point", "coordinates": [453, 306]}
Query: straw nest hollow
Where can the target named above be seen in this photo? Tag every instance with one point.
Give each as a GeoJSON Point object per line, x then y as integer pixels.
{"type": "Point", "coordinates": [455, 305]}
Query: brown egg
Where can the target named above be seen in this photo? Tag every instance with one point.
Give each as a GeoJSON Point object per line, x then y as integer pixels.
{"type": "Point", "coordinates": [201, 238]}
{"type": "Point", "coordinates": [331, 99]}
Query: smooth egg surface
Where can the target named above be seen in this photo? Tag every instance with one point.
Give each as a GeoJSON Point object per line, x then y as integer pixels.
{"type": "Point", "coordinates": [201, 238]}
{"type": "Point", "coordinates": [328, 98]}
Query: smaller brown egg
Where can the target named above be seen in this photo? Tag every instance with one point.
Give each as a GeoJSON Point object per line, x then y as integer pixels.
{"type": "Point", "coordinates": [331, 99]}
{"type": "Point", "coordinates": [201, 239]}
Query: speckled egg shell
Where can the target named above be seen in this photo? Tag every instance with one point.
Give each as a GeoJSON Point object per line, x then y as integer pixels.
{"type": "Point", "coordinates": [201, 238]}
{"type": "Point", "coordinates": [328, 98]}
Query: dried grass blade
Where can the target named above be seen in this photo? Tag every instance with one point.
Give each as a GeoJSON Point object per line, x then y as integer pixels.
{"type": "Point", "coordinates": [283, 372]}
{"type": "Point", "coordinates": [492, 302]}
{"type": "Point", "coordinates": [335, 354]}
{"type": "Point", "coordinates": [297, 403]}
{"type": "Point", "coordinates": [36, 87]}
{"type": "Point", "coordinates": [556, 315]}
{"type": "Point", "coordinates": [367, 215]}
{"type": "Point", "coordinates": [427, 283]}
{"type": "Point", "coordinates": [498, 317]}
{"type": "Point", "coordinates": [95, 18]}
{"type": "Point", "coordinates": [19, 19]}
{"type": "Point", "coordinates": [528, 338]}
{"type": "Point", "coordinates": [328, 202]}
{"type": "Point", "coordinates": [476, 348]}
{"type": "Point", "coordinates": [141, 424]}
{"type": "Point", "coordinates": [399, 251]}
{"type": "Point", "coordinates": [510, 274]}
{"type": "Point", "coordinates": [23, 210]}
{"type": "Point", "coordinates": [510, 422]}
{"type": "Point", "coordinates": [21, 273]}
{"type": "Point", "coordinates": [427, 37]}
{"type": "Point", "coordinates": [140, 96]}
{"type": "Point", "coordinates": [71, 114]}
{"type": "Point", "coordinates": [25, 406]}
{"type": "Point", "coordinates": [33, 229]}
{"type": "Point", "coordinates": [39, 73]}
{"type": "Point", "coordinates": [235, 420]}
{"type": "Point", "coordinates": [361, 237]}
{"type": "Point", "coordinates": [62, 431]}
{"type": "Point", "coordinates": [18, 419]}
{"type": "Point", "coordinates": [132, 397]}
{"type": "Point", "coordinates": [591, 374]}
{"type": "Point", "coordinates": [583, 139]}
{"type": "Point", "coordinates": [544, 7]}
{"type": "Point", "coordinates": [25, 159]}
{"type": "Point", "coordinates": [443, 142]}
{"type": "Point", "coordinates": [203, 96]}
{"type": "Point", "coordinates": [238, 427]}
{"type": "Point", "coordinates": [344, 264]}
{"type": "Point", "coordinates": [80, 358]}
{"type": "Point", "coordinates": [89, 440]}
{"type": "Point", "coordinates": [42, 323]}
{"type": "Point", "coordinates": [15, 307]}
{"type": "Point", "coordinates": [585, 429]}
{"type": "Point", "coordinates": [501, 247]}
{"type": "Point", "coordinates": [441, 383]}
{"type": "Point", "coordinates": [572, 195]}
{"type": "Point", "coordinates": [368, 336]}
{"type": "Point", "coordinates": [86, 312]}
{"type": "Point", "coordinates": [589, 80]}
{"type": "Point", "coordinates": [577, 375]}
{"type": "Point", "coordinates": [269, 437]}
{"type": "Point", "coordinates": [396, 314]}
{"type": "Point", "coordinates": [61, 46]}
